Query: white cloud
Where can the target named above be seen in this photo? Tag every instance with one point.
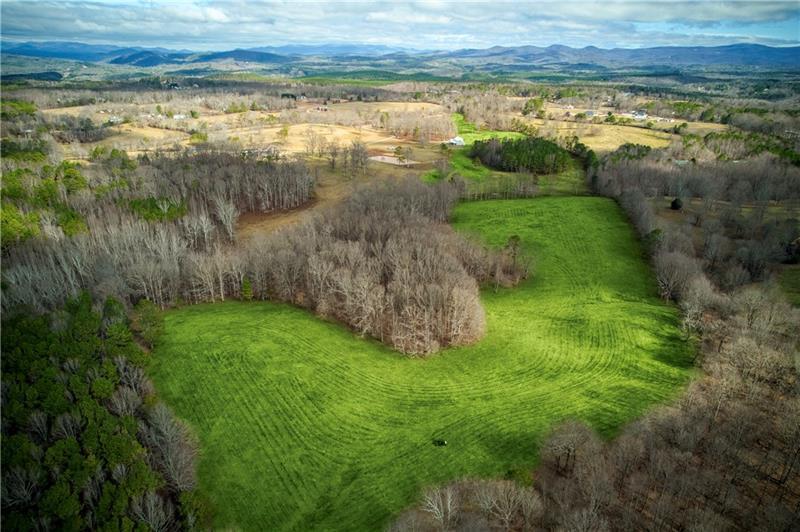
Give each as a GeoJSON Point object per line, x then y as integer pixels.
{"type": "Point", "coordinates": [406, 17]}
{"type": "Point", "coordinates": [219, 24]}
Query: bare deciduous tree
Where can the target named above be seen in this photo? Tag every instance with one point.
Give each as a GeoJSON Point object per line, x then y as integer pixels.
{"type": "Point", "coordinates": [442, 505]}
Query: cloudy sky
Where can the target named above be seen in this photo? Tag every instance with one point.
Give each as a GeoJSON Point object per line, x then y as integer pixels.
{"type": "Point", "coordinates": [431, 24]}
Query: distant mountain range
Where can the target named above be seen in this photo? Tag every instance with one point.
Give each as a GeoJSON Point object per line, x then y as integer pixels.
{"type": "Point", "coordinates": [734, 55]}
{"type": "Point", "coordinates": [498, 58]}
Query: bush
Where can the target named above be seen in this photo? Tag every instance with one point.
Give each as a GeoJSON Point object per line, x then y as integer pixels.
{"type": "Point", "coordinates": [676, 205]}
{"type": "Point", "coordinates": [148, 322]}
{"type": "Point", "coordinates": [16, 226]}
{"type": "Point", "coordinates": [247, 289]}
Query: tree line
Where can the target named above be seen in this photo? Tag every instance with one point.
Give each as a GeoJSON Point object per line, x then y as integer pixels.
{"type": "Point", "coordinates": [528, 154]}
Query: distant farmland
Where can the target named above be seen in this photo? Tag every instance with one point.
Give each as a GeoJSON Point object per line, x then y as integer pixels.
{"type": "Point", "coordinates": [304, 425]}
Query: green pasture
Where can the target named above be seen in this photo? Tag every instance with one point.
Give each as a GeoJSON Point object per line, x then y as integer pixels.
{"type": "Point", "coordinates": [306, 426]}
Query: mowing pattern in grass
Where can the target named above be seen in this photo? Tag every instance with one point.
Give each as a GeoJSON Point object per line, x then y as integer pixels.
{"type": "Point", "coordinates": [305, 426]}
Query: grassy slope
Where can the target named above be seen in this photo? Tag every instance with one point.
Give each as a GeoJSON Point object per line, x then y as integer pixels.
{"type": "Point", "coordinates": [305, 426]}
{"type": "Point", "coordinates": [470, 133]}
{"type": "Point", "coordinates": [569, 182]}
{"type": "Point", "coordinates": [789, 280]}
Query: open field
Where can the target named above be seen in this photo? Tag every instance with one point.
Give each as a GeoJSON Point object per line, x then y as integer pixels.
{"type": "Point", "coordinates": [470, 133]}
{"type": "Point", "coordinates": [604, 138]}
{"type": "Point", "coordinates": [304, 425]}
{"type": "Point", "coordinates": [150, 131]}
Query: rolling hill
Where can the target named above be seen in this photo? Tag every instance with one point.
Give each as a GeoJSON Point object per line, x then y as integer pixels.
{"type": "Point", "coordinates": [489, 59]}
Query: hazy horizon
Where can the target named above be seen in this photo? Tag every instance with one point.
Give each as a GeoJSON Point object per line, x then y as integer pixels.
{"type": "Point", "coordinates": [425, 25]}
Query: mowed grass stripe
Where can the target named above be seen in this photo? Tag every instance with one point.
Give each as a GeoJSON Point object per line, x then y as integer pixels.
{"type": "Point", "coordinates": [305, 426]}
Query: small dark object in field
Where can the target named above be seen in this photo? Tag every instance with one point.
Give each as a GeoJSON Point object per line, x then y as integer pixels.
{"type": "Point", "coordinates": [677, 204]}
{"type": "Point", "coordinates": [439, 442]}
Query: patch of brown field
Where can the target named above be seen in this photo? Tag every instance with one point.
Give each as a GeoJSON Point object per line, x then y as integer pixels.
{"type": "Point", "coordinates": [133, 139]}
{"type": "Point", "coordinates": [381, 107]}
{"type": "Point", "coordinates": [604, 138]}
{"type": "Point", "coordinates": [252, 224]}
{"type": "Point", "coordinates": [331, 188]}
{"type": "Point", "coordinates": [390, 159]}
{"type": "Point", "coordinates": [296, 140]}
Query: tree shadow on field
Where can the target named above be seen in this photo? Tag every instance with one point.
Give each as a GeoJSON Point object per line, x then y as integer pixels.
{"type": "Point", "coordinates": [673, 348]}
{"type": "Point", "coordinates": [506, 446]}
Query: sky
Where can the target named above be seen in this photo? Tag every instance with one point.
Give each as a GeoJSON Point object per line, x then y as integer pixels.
{"type": "Point", "coordinates": [424, 25]}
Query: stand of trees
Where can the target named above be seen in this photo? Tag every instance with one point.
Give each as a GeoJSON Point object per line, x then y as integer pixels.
{"type": "Point", "coordinates": [68, 128]}
{"type": "Point", "coordinates": [86, 444]}
{"type": "Point", "coordinates": [385, 264]}
{"type": "Point", "coordinates": [133, 232]}
{"type": "Point", "coordinates": [212, 181]}
{"type": "Point", "coordinates": [529, 154]}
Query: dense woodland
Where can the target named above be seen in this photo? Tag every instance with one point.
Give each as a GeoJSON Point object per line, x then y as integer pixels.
{"type": "Point", "coordinates": [52, 260]}
{"type": "Point", "coordinates": [86, 444]}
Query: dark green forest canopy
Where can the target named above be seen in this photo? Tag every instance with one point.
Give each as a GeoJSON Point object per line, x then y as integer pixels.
{"type": "Point", "coordinates": [82, 437]}
{"type": "Point", "coordinates": [529, 154]}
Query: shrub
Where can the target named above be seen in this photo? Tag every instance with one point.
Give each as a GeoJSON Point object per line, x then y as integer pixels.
{"type": "Point", "coordinates": [148, 322]}
{"type": "Point", "coordinates": [16, 226]}
{"type": "Point", "coordinates": [247, 289]}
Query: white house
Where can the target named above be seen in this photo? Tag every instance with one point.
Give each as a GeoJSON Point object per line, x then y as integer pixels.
{"type": "Point", "coordinates": [456, 141]}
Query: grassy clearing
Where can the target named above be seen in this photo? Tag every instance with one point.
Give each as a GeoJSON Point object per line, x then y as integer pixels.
{"type": "Point", "coordinates": [305, 426]}
{"type": "Point", "coordinates": [789, 281]}
{"type": "Point", "coordinates": [470, 133]}
{"type": "Point", "coordinates": [468, 168]}
{"type": "Point", "coordinates": [570, 182]}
